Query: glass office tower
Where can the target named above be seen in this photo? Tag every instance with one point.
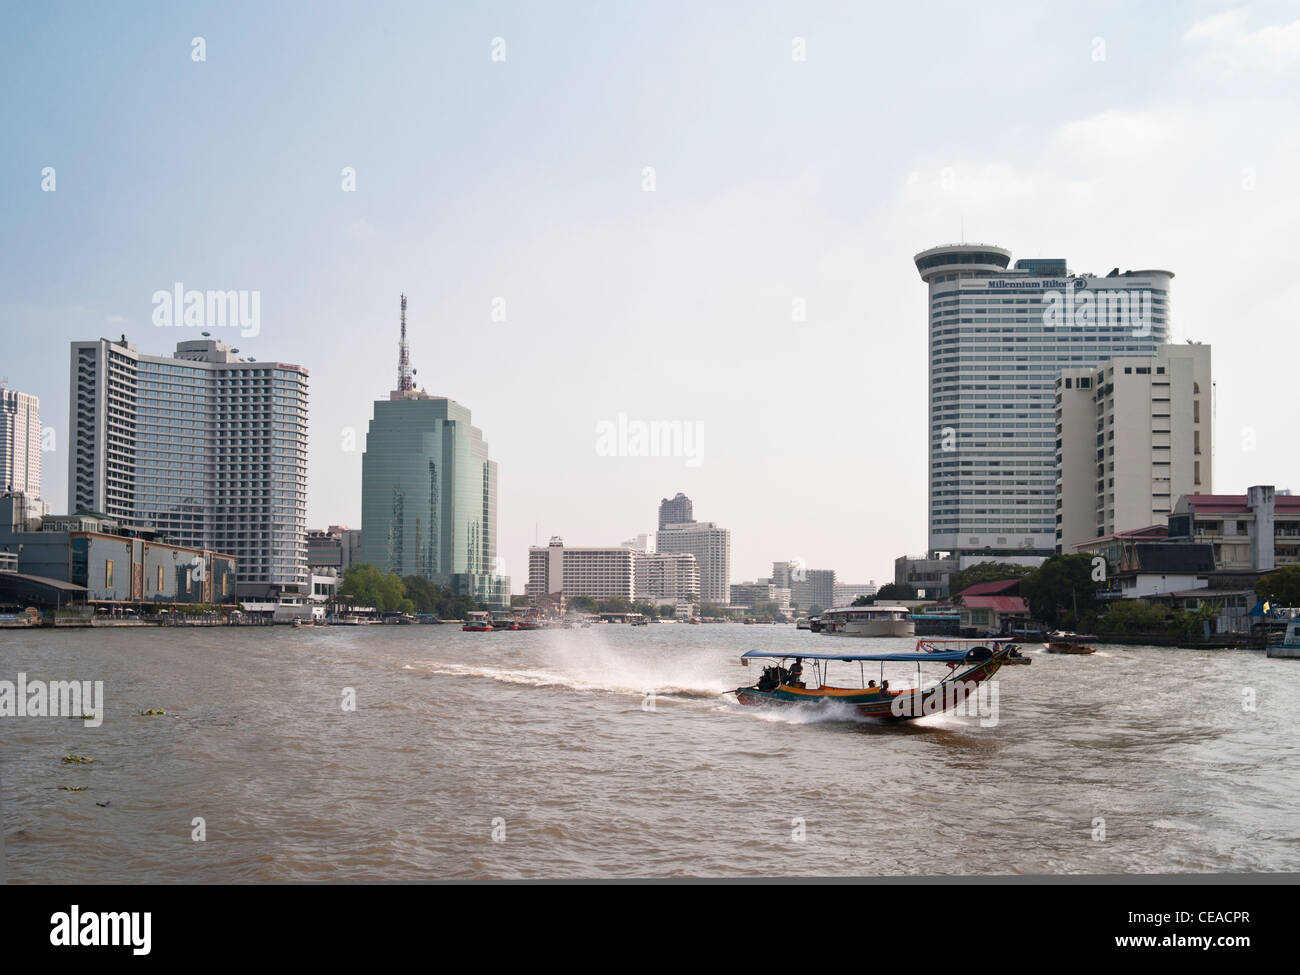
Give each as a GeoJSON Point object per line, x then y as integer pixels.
{"type": "Point", "coordinates": [429, 496]}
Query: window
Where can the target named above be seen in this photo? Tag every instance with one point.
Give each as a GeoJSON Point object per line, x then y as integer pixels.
{"type": "Point", "coordinates": [159, 585]}
{"type": "Point", "coordinates": [108, 573]}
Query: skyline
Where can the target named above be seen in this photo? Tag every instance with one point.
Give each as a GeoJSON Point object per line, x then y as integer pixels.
{"type": "Point", "coordinates": [670, 305]}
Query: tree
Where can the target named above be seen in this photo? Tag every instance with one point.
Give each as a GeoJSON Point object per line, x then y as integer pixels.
{"type": "Point", "coordinates": [428, 597]}
{"type": "Point", "coordinates": [987, 572]}
{"type": "Point", "coordinates": [614, 604]}
{"type": "Point", "coordinates": [1133, 616]}
{"type": "Point", "coordinates": [815, 610]}
{"type": "Point", "coordinates": [1280, 587]}
{"type": "Point", "coordinates": [1061, 590]}
{"type": "Point", "coordinates": [864, 601]}
{"type": "Point", "coordinates": [894, 590]}
{"type": "Point", "coordinates": [583, 604]}
{"type": "Point", "coordinates": [366, 585]}
{"type": "Point", "coordinates": [667, 611]}
{"type": "Point", "coordinates": [766, 610]}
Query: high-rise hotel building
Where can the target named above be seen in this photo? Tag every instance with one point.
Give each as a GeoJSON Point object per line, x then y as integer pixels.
{"type": "Point", "coordinates": [205, 447]}
{"type": "Point", "coordinates": [20, 443]}
{"type": "Point", "coordinates": [711, 547]}
{"type": "Point", "coordinates": [999, 338]}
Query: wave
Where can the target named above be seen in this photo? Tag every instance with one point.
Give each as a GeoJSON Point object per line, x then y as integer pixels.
{"type": "Point", "coordinates": [542, 678]}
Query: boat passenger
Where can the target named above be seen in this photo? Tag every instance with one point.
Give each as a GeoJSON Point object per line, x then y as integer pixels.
{"type": "Point", "coordinates": [884, 687]}
{"type": "Point", "coordinates": [796, 673]}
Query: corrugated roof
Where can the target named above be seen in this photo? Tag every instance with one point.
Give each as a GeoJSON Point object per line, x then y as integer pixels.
{"type": "Point", "coordinates": [1001, 604]}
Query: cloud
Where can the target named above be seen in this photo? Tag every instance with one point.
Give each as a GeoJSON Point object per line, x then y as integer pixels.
{"type": "Point", "coordinates": [1229, 27]}
{"type": "Point", "coordinates": [117, 320]}
{"type": "Point", "coordinates": [1280, 39]}
{"type": "Point", "coordinates": [1114, 134]}
{"type": "Point", "coordinates": [1217, 25]}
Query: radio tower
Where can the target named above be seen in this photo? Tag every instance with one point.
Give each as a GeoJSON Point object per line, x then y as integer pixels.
{"type": "Point", "coordinates": [404, 382]}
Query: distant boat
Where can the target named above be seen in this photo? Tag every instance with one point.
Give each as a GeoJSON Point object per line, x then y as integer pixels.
{"type": "Point", "coordinates": [868, 621]}
{"type": "Point", "coordinates": [1289, 648]}
{"type": "Point", "coordinates": [1060, 646]}
{"type": "Point", "coordinates": [1059, 642]}
{"type": "Point", "coordinates": [802, 623]}
{"type": "Point", "coordinates": [477, 623]}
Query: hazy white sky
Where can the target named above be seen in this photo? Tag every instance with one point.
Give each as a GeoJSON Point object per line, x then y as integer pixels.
{"type": "Point", "coordinates": [1158, 136]}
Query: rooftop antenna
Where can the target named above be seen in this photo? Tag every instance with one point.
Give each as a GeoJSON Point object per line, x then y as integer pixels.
{"type": "Point", "coordinates": [404, 381]}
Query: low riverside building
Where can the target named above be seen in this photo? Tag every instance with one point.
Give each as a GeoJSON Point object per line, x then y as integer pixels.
{"type": "Point", "coordinates": [750, 594]}
{"type": "Point", "coordinates": [337, 548]}
{"type": "Point", "coordinates": [929, 574]}
{"type": "Point", "coordinates": [599, 572]}
{"type": "Point", "coordinates": [110, 563]}
{"type": "Point", "coordinates": [1258, 530]}
{"type": "Point", "coordinates": [1143, 562]}
{"type": "Point", "coordinates": [991, 607]}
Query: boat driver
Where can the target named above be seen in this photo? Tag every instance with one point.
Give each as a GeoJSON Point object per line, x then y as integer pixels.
{"type": "Point", "coordinates": [796, 673]}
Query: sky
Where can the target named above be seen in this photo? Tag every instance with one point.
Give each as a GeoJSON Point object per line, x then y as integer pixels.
{"type": "Point", "coordinates": [699, 213]}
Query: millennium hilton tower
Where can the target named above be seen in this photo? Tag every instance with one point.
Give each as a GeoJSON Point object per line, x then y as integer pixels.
{"type": "Point", "coordinates": [999, 338]}
{"type": "Point", "coordinates": [429, 491]}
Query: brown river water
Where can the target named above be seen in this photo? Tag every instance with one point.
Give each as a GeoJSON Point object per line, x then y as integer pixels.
{"type": "Point", "coordinates": [537, 754]}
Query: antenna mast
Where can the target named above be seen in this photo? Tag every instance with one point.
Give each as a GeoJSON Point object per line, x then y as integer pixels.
{"type": "Point", "coordinates": [404, 357]}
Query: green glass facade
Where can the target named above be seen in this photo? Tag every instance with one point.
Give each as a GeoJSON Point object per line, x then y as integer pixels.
{"type": "Point", "coordinates": [429, 497]}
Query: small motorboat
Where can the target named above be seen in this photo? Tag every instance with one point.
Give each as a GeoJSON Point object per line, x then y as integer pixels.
{"type": "Point", "coordinates": [784, 686]}
{"type": "Point", "coordinates": [477, 623]}
{"type": "Point", "coordinates": [1064, 646]}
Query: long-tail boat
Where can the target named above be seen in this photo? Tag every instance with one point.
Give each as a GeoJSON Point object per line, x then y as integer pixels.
{"type": "Point", "coordinates": [784, 686]}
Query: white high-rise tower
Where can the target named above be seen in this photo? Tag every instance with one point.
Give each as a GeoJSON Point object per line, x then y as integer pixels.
{"type": "Point", "coordinates": [999, 338]}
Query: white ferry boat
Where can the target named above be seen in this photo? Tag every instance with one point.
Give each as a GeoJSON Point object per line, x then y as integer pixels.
{"type": "Point", "coordinates": [868, 621]}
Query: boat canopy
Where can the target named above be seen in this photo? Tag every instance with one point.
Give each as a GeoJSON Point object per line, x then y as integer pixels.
{"type": "Point", "coordinates": [909, 656]}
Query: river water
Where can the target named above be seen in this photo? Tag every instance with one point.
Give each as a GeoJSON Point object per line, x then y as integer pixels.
{"type": "Point", "coordinates": [540, 754]}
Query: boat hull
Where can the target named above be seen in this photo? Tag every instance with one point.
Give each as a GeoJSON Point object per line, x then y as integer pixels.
{"type": "Point", "coordinates": [904, 705]}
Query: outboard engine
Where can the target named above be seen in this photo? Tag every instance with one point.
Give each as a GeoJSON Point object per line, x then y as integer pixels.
{"type": "Point", "coordinates": [978, 653]}
{"type": "Point", "coordinates": [772, 676]}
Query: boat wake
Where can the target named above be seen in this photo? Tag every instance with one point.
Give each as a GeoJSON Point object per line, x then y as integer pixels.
{"type": "Point", "coordinates": [620, 684]}
{"type": "Point", "coordinates": [819, 712]}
